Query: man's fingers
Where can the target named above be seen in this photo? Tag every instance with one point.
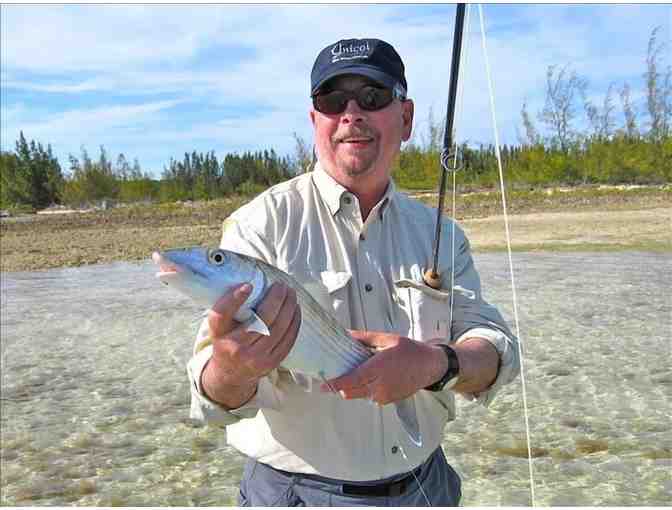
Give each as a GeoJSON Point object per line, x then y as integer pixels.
{"type": "Point", "coordinates": [289, 333]}
{"type": "Point", "coordinates": [272, 303]}
{"type": "Point", "coordinates": [375, 339]}
{"type": "Point", "coordinates": [220, 318]}
{"type": "Point", "coordinates": [358, 378]}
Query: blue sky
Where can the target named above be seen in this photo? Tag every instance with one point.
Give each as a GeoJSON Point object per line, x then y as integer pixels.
{"type": "Point", "coordinates": [153, 81]}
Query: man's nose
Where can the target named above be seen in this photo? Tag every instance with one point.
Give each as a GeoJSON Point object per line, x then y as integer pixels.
{"type": "Point", "coordinates": [352, 112]}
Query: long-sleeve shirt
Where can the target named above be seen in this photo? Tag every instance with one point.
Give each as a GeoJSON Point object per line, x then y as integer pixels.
{"type": "Point", "coordinates": [311, 227]}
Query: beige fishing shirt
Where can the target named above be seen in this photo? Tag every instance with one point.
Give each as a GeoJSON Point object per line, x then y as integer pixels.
{"type": "Point", "coordinates": [311, 227]}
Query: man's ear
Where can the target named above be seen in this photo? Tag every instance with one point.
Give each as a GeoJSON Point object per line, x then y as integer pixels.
{"type": "Point", "coordinates": [312, 117]}
{"type": "Point", "coordinates": [407, 110]}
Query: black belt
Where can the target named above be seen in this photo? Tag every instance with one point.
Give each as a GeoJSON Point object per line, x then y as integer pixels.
{"type": "Point", "coordinates": [390, 489]}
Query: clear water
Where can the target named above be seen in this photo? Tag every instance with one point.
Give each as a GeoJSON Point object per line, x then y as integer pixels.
{"type": "Point", "coordinates": [94, 400]}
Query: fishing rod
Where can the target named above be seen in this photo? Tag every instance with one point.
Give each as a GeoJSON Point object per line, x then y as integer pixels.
{"type": "Point", "coordinates": [432, 276]}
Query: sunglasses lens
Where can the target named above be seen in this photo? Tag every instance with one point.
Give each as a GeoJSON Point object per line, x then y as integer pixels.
{"type": "Point", "coordinates": [368, 98]}
{"type": "Point", "coordinates": [331, 102]}
{"type": "Point", "coordinates": [373, 98]}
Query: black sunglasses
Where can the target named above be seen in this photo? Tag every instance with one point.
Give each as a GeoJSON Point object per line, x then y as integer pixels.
{"type": "Point", "coordinates": [368, 98]}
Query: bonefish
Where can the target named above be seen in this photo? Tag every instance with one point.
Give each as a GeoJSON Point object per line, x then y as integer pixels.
{"type": "Point", "coordinates": [323, 348]}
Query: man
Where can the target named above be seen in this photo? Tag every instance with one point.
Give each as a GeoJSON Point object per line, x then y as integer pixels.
{"type": "Point", "coordinates": [360, 247]}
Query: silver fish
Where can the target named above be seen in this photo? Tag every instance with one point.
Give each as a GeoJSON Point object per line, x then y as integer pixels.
{"type": "Point", "coordinates": [323, 348]}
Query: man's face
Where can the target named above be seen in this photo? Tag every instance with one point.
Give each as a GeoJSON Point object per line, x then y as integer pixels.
{"type": "Point", "coordinates": [358, 142]}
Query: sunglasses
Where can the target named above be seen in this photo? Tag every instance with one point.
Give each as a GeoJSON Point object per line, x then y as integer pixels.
{"type": "Point", "coordinates": [368, 98]}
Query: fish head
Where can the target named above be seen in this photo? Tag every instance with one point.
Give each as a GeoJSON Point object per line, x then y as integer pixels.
{"type": "Point", "coordinates": [205, 274]}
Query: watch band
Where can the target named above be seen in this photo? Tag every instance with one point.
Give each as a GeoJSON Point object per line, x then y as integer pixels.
{"type": "Point", "coordinates": [449, 378]}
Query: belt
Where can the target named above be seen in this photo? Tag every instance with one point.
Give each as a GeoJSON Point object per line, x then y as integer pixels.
{"type": "Point", "coordinates": [390, 489]}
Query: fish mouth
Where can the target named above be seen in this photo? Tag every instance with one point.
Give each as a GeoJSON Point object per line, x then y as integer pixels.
{"type": "Point", "coordinates": [166, 268]}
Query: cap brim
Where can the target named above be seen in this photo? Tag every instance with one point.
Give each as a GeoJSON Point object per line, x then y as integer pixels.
{"type": "Point", "coordinates": [364, 70]}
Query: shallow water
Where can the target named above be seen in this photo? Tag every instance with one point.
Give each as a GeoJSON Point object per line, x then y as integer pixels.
{"type": "Point", "coordinates": [94, 399]}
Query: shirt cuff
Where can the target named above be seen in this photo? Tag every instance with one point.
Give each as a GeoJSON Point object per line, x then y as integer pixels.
{"type": "Point", "coordinates": [205, 409]}
{"type": "Point", "coordinates": [509, 363]}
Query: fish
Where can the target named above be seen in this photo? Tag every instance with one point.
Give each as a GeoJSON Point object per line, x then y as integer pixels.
{"type": "Point", "coordinates": [323, 349]}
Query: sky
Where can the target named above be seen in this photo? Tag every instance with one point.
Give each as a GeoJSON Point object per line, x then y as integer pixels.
{"type": "Point", "coordinates": [155, 81]}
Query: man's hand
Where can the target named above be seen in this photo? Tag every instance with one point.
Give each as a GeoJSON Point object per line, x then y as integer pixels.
{"type": "Point", "coordinates": [398, 369]}
{"type": "Point", "coordinates": [241, 358]}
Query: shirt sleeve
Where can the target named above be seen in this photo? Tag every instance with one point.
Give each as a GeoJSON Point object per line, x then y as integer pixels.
{"type": "Point", "coordinates": [474, 317]}
{"type": "Point", "coordinates": [235, 237]}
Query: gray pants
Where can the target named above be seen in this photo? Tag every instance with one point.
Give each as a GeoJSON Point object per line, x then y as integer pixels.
{"type": "Point", "coordinates": [262, 485]}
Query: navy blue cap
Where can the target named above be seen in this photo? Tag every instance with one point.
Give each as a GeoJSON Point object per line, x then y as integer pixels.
{"type": "Point", "coordinates": [372, 58]}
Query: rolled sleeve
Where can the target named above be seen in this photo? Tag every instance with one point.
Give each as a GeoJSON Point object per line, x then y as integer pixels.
{"type": "Point", "coordinates": [474, 317]}
{"type": "Point", "coordinates": [509, 361]}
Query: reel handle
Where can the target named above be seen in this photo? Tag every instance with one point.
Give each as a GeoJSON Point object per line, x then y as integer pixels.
{"type": "Point", "coordinates": [432, 279]}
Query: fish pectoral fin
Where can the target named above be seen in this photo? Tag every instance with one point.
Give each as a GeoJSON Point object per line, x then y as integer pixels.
{"type": "Point", "coordinates": [409, 419]}
{"type": "Point", "coordinates": [256, 325]}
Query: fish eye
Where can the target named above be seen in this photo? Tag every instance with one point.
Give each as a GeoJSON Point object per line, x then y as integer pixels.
{"type": "Point", "coordinates": [217, 257]}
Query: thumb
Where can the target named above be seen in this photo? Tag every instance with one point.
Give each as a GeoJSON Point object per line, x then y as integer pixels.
{"type": "Point", "coordinates": [220, 318]}
{"type": "Point", "coordinates": [375, 339]}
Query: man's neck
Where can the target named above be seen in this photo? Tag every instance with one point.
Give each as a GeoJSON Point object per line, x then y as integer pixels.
{"type": "Point", "coordinates": [369, 198]}
{"type": "Point", "coordinates": [369, 189]}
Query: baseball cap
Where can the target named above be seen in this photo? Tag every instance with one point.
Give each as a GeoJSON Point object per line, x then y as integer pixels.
{"type": "Point", "coordinates": [372, 58]}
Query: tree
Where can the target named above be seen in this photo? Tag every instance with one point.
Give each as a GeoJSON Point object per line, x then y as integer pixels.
{"type": "Point", "coordinates": [630, 128]}
{"type": "Point", "coordinates": [532, 137]}
{"type": "Point", "coordinates": [36, 179]}
{"type": "Point", "coordinates": [303, 155]}
{"type": "Point", "coordinates": [14, 186]}
{"type": "Point", "coordinates": [600, 119]}
{"type": "Point", "coordinates": [90, 181]}
{"type": "Point", "coordinates": [658, 90]}
{"type": "Point", "coordinates": [122, 168]}
{"type": "Point", "coordinates": [559, 111]}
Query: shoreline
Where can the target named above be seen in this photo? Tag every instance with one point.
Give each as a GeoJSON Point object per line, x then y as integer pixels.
{"type": "Point", "coordinates": [568, 221]}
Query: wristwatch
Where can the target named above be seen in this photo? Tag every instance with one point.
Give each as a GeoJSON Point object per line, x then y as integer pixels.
{"type": "Point", "coordinates": [449, 379]}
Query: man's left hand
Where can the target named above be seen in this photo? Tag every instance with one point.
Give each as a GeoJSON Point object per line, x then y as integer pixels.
{"type": "Point", "coordinates": [399, 368]}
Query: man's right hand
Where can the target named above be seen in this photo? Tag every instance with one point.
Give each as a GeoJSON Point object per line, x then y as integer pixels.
{"type": "Point", "coordinates": [241, 358]}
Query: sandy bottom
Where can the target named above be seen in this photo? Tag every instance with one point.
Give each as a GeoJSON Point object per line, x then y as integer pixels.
{"type": "Point", "coordinates": [575, 229]}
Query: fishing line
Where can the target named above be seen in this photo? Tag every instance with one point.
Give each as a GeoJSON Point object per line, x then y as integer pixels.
{"type": "Point", "coordinates": [422, 491]}
{"type": "Point", "coordinates": [508, 246]}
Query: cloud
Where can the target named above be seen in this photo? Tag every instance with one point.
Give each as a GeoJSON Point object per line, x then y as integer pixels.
{"type": "Point", "coordinates": [158, 61]}
{"type": "Point", "coordinates": [69, 129]}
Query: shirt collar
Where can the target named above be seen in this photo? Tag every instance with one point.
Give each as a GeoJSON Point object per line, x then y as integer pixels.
{"type": "Point", "coordinates": [332, 192]}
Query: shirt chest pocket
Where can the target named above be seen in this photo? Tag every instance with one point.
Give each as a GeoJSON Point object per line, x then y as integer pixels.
{"type": "Point", "coordinates": [330, 290]}
{"type": "Point", "coordinates": [425, 311]}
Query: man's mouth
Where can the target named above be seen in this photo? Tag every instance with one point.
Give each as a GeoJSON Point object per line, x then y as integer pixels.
{"type": "Point", "coordinates": [357, 140]}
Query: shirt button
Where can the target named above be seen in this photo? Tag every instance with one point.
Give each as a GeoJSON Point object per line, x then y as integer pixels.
{"type": "Point", "coordinates": [347, 200]}
{"type": "Point", "coordinates": [395, 449]}
{"type": "Point", "coordinates": [368, 287]}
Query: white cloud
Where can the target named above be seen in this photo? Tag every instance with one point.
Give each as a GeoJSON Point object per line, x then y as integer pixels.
{"type": "Point", "coordinates": [263, 54]}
